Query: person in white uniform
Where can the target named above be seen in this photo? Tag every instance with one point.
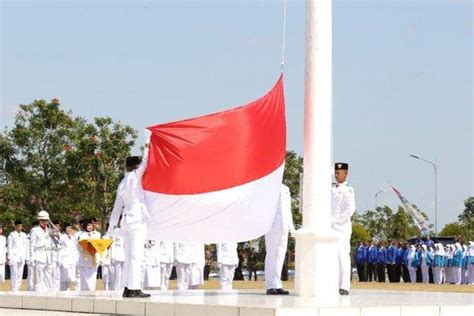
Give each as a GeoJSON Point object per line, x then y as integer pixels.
{"type": "Point", "coordinates": [197, 267]}
{"type": "Point", "coordinates": [105, 262]}
{"type": "Point", "coordinates": [151, 266]}
{"type": "Point", "coordinates": [87, 264]}
{"type": "Point", "coordinates": [189, 258]}
{"type": "Point", "coordinates": [130, 204]}
{"type": "Point", "coordinates": [166, 263]}
{"type": "Point", "coordinates": [68, 258]}
{"type": "Point", "coordinates": [17, 244]}
{"type": "Point", "coordinates": [343, 207]}
{"type": "Point", "coordinates": [30, 276]}
{"type": "Point", "coordinates": [56, 269]}
{"type": "Point", "coordinates": [117, 258]}
{"type": "Point", "coordinates": [276, 242]}
{"type": "Point", "coordinates": [227, 260]}
{"type": "Point", "coordinates": [41, 246]}
{"type": "Point", "coordinates": [3, 255]}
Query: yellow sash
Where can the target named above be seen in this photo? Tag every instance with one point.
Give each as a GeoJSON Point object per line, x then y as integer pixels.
{"type": "Point", "coordinates": [93, 246]}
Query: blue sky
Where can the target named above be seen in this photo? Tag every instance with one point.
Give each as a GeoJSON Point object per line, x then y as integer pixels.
{"type": "Point", "coordinates": [402, 77]}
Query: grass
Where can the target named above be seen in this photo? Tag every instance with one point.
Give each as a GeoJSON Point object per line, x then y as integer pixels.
{"type": "Point", "coordinates": [260, 285]}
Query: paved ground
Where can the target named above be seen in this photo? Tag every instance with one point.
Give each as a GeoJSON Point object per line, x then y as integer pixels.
{"type": "Point", "coordinates": [214, 284]}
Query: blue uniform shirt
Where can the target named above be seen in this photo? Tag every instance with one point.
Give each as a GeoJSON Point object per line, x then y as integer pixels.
{"type": "Point", "coordinates": [361, 254]}
{"type": "Point", "coordinates": [382, 256]}
{"type": "Point", "coordinates": [391, 254]}
{"type": "Point", "coordinates": [399, 257]}
{"type": "Point", "coordinates": [373, 254]}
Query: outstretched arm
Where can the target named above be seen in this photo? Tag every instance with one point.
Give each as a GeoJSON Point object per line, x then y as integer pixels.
{"type": "Point", "coordinates": [141, 169]}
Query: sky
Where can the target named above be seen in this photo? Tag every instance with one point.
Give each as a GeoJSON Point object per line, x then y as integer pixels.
{"type": "Point", "coordinates": [403, 77]}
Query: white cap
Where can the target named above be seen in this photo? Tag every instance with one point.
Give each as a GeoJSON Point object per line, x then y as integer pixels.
{"type": "Point", "coordinates": [43, 215]}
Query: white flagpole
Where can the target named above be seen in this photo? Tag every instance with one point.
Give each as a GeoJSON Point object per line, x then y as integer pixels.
{"type": "Point", "coordinates": [317, 262]}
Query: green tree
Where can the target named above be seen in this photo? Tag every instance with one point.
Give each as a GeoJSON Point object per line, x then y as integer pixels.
{"type": "Point", "coordinates": [402, 226]}
{"type": "Point", "coordinates": [377, 222]}
{"type": "Point", "coordinates": [61, 163]}
{"type": "Point", "coordinates": [454, 229]}
{"type": "Point", "coordinates": [359, 234]}
{"type": "Point", "coordinates": [466, 218]}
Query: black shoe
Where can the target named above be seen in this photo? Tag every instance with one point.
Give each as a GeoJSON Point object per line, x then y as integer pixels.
{"type": "Point", "coordinates": [135, 294]}
{"type": "Point", "coordinates": [140, 294]}
{"type": "Point", "coordinates": [272, 292]}
{"type": "Point", "coordinates": [343, 292]}
{"type": "Point", "coordinates": [282, 292]}
{"type": "Point", "coordinates": [125, 292]}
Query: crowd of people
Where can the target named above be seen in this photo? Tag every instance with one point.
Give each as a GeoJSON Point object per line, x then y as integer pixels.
{"type": "Point", "coordinates": [424, 261]}
{"type": "Point", "coordinates": [56, 260]}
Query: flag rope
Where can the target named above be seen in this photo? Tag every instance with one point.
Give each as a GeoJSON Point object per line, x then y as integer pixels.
{"type": "Point", "coordinates": [283, 40]}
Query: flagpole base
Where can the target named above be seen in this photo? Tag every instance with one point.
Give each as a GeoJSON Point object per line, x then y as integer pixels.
{"type": "Point", "coordinates": [317, 265]}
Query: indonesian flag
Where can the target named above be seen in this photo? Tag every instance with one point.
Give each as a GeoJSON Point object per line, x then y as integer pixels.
{"type": "Point", "coordinates": [217, 177]}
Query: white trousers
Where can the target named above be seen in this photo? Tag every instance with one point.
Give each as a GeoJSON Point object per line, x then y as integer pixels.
{"type": "Point", "coordinates": [118, 275]}
{"type": "Point", "coordinates": [30, 277]}
{"type": "Point", "coordinates": [276, 242]}
{"type": "Point", "coordinates": [166, 269]}
{"type": "Point", "coordinates": [43, 276]}
{"type": "Point", "coordinates": [438, 275]}
{"type": "Point", "coordinates": [134, 255]}
{"type": "Point", "coordinates": [16, 274]}
{"type": "Point", "coordinates": [344, 250]}
{"type": "Point", "coordinates": [470, 273]}
{"type": "Point", "coordinates": [108, 276]}
{"type": "Point", "coordinates": [152, 277]}
{"type": "Point", "coordinates": [456, 275]}
{"type": "Point", "coordinates": [183, 275]}
{"type": "Point", "coordinates": [88, 277]}
{"type": "Point", "coordinates": [56, 276]}
{"type": "Point", "coordinates": [197, 276]}
{"type": "Point", "coordinates": [67, 277]}
{"type": "Point", "coordinates": [425, 273]}
{"type": "Point", "coordinates": [226, 275]}
{"type": "Point", "coordinates": [2, 272]}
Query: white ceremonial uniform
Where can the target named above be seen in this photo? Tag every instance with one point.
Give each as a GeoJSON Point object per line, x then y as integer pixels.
{"type": "Point", "coordinates": [105, 262]}
{"type": "Point", "coordinates": [17, 244]}
{"type": "Point", "coordinates": [151, 266]}
{"type": "Point", "coordinates": [30, 276]}
{"type": "Point", "coordinates": [197, 268]}
{"type": "Point", "coordinates": [166, 263]}
{"type": "Point", "coordinates": [3, 257]}
{"type": "Point", "coordinates": [68, 259]}
{"type": "Point", "coordinates": [41, 256]}
{"type": "Point", "coordinates": [227, 260]}
{"type": "Point", "coordinates": [117, 258]}
{"type": "Point", "coordinates": [187, 264]}
{"type": "Point", "coordinates": [343, 207]}
{"type": "Point", "coordinates": [130, 202]}
{"type": "Point", "coordinates": [87, 265]}
{"type": "Point", "coordinates": [56, 268]}
{"type": "Point", "coordinates": [276, 240]}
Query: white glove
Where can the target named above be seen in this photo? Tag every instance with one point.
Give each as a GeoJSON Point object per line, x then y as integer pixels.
{"type": "Point", "coordinates": [147, 136]}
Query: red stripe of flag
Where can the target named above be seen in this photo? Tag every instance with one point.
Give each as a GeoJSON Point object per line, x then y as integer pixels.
{"type": "Point", "coordinates": [220, 150]}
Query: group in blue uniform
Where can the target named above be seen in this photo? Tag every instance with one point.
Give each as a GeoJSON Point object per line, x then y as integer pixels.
{"type": "Point", "coordinates": [422, 261]}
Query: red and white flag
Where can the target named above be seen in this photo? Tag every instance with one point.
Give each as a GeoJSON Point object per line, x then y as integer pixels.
{"type": "Point", "coordinates": [217, 177]}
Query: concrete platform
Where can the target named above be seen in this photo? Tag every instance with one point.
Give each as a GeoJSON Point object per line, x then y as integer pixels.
{"type": "Point", "coordinates": [244, 303]}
